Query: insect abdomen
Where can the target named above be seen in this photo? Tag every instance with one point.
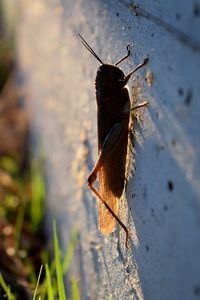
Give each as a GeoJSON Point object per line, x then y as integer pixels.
{"type": "Point", "coordinates": [112, 173]}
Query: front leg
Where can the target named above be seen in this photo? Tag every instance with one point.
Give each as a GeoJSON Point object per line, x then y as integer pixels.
{"type": "Point", "coordinates": [110, 143]}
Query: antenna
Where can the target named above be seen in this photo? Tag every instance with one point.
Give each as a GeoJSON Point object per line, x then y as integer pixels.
{"type": "Point", "coordinates": [87, 46]}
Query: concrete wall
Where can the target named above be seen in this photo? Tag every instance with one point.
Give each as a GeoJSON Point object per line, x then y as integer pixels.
{"type": "Point", "coordinates": [162, 208]}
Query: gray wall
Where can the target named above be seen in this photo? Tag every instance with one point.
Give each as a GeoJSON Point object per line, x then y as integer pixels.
{"type": "Point", "coordinates": [162, 201]}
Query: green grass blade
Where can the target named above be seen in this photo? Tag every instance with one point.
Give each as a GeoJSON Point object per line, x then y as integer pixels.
{"type": "Point", "coordinates": [38, 195]}
{"type": "Point", "coordinates": [38, 281]}
{"type": "Point", "coordinates": [49, 283]}
{"type": "Point", "coordinates": [75, 289]}
{"type": "Point", "coordinates": [19, 224]}
{"type": "Point", "coordinates": [59, 273]}
{"type": "Point", "coordinates": [70, 251]}
{"type": "Point", "coordinates": [6, 289]}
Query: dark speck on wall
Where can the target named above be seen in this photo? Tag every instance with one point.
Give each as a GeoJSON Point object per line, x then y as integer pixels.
{"type": "Point", "coordinates": [117, 14]}
{"type": "Point", "coordinates": [170, 185]}
{"type": "Point", "coordinates": [196, 9]}
{"type": "Point", "coordinates": [196, 290]}
{"type": "Point", "coordinates": [180, 91]}
{"type": "Point", "coordinates": [165, 207]}
{"type": "Point", "coordinates": [147, 248]}
{"type": "Point", "coordinates": [170, 68]}
{"type": "Point", "coordinates": [173, 142]}
{"type": "Point", "coordinates": [178, 16]}
{"type": "Point", "coordinates": [188, 98]}
{"type": "Point", "coordinates": [160, 148]}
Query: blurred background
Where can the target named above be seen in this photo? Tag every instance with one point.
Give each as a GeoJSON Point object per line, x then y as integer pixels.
{"type": "Point", "coordinates": [22, 187]}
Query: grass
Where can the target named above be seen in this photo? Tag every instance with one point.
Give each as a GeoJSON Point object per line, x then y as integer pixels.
{"type": "Point", "coordinates": [49, 284]}
{"type": "Point", "coordinates": [49, 289]}
{"type": "Point", "coordinates": [50, 292]}
{"type": "Point", "coordinates": [38, 186]}
{"type": "Point", "coordinates": [6, 288]}
{"type": "Point", "coordinates": [38, 282]}
{"type": "Point", "coordinates": [59, 273]}
{"type": "Point", "coordinates": [75, 289]}
{"type": "Point", "coordinates": [56, 288]}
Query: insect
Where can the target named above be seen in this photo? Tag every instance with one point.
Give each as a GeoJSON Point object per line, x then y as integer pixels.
{"type": "Point", "coordinates": [113, 114]}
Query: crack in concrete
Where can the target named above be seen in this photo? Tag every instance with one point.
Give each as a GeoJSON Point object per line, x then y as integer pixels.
{"type": "Point", "coordinates": [183, 37]}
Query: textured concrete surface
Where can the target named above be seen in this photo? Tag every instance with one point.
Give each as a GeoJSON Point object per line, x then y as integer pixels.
{"type": "Point", "coordinates": [162, 203]}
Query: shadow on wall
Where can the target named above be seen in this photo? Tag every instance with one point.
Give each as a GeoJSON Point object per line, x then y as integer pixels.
{"type": "Point", "coordinates": [165, 209]}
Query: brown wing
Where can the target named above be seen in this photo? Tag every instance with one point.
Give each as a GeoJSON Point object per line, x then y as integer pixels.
{"type": "Point", "coordinates": [112, 173]}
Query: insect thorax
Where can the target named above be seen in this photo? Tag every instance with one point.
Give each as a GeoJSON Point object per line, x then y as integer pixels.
{"type": "Point", "coordinates": [109, 78]}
